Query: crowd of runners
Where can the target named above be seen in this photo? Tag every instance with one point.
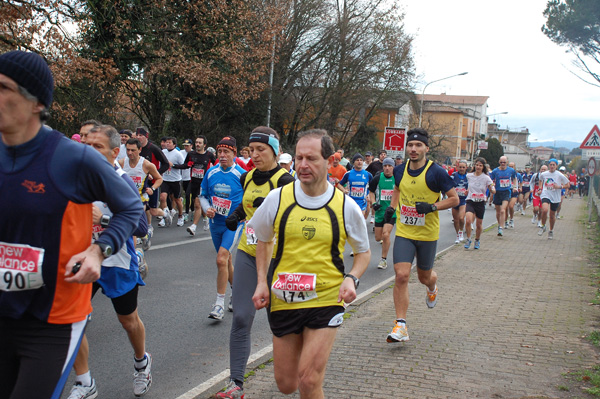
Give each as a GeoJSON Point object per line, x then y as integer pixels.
{"type": "Point", "coordinates": [263, 208]}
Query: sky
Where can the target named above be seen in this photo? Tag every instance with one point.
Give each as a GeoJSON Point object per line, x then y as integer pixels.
{"type": "Point", "coordinates": [508, 58]}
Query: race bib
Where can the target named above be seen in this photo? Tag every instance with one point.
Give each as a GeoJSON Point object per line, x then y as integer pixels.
{"type": "Point", "coordinates": [461, 191]}
{"type": "Point", "coordinates": [504, 183]}
{"type": "Point", "coordinates": [167, 173]}
{"type": "Point", "coordinates": [525, 184]}
{"type": "Point", "coordinates": [549, 184]}
{"type": "Point", "coordinates": [478, 197]}
{"type": "Point", "coordinates": [20, 267]}
{"type": "Point", "coordinates": [410, 216]}
{"type": "Point", "coordinates": [386, 195]}
{"type": "Point", "coordinates": [331, 180]}
{"type": "Point", "coordinates": [250, 236]}
{"type": "Point", "coordinates": [295, 287]}
{"type": "Point", "coordinates": [137, 180]}
{"type": "Point", "coordinates": [221, 205]}
{"type": "Point", "coordinates": [357, 192]}
{"type": "Point", "coordinates": [197, 173]}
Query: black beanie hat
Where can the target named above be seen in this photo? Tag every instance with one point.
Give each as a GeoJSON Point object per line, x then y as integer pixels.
{"type": "Point", "coordinates": [357, 156]}
{"type": "Point", "coordinates": [30, 71]}
{"type": "Point", "coordinates": [228, 142]}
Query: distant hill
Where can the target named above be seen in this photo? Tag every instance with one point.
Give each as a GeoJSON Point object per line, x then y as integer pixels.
{"type": "Point", "coordinates": [558, 143]}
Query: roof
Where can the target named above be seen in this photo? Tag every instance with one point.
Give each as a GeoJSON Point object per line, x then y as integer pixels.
{"type": "Point", "coordinates": [449, 99]}
{"type": "Point", "coordinates": [434, 108]}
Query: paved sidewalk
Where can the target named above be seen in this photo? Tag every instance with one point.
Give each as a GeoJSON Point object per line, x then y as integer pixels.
{"type": "Point", "coordinates": [509, 321]}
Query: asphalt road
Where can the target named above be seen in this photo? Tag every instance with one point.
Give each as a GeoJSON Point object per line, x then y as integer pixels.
{"type": "Point", "coordinates": [188, 348]}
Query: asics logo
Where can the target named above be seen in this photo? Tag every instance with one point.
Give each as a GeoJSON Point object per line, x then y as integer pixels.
{"type": "Point", "coordinates": [308, 219]}
{"type": "Point", "coordinates": [33, 187]}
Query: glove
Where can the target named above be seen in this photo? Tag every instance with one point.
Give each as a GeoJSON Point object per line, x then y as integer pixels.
{"type": "Point", "coordinates": [376, 207]}
{"type": "Point", "coordinates": [389, 214]}
{"type": "Point", "coordinates": [424, 208]}
{"type": "Point", "coordinates": [258, 201]}
{"type": "Point", "coordinates": [232, 221]}
{"type": "Point", "coordinates": [190, 163]}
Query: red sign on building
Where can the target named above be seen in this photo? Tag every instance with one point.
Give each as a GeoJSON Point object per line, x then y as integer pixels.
{"type": "Point", "coordinates": [394, 140]}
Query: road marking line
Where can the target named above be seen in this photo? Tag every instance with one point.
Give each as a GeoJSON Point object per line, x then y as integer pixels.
{"type": "Point", "coordinates": [174, 244]}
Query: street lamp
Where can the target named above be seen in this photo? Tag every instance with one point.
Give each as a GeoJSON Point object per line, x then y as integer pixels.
{"type": "Point", "coordinates": [423, 95]}
{"type": "Point", "coordinates": [498, 113]}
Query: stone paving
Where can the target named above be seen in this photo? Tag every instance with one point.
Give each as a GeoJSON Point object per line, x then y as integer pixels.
{"type": "Point", "coordinates": [509, 322]}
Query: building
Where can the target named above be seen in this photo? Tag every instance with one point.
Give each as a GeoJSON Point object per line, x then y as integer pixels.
{"type": "Point", "coordinates": [514, 142]}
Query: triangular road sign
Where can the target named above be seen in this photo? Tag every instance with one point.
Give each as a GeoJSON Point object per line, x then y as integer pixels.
{"type": "Point", "coordinates": [592, 140]}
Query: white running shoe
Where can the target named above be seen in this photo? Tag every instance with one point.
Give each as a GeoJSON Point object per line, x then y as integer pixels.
{"type": "Point", "coordinates": [511, 224]}
{"type": "Point", "coordinates": [372, 219]}
{"type": "Point", "coordinates": [180, 221]}
{"type": "Point", "coordinates": [82, 392]}
{"type": "Point", "coordinates": [457, 239]}
{"type": "Point", "coordinates": [168, 218]}
{"type": "Point", "coordinates": [142, 379]}
{"type": "Point", "coordinates": [216, 313]}
{"type": "Point", "coordinates": [431, 298]}
{"type": "Point", "coordinates": [382, 264]}
{"type": "Point", "coordinates": [173, 213]}
{"type": "Point", "coordinates": [533, 219]}
{"type": "Point", "coordinates": [542, 230]}
{"type": "Point", "coordinates": [461, 236]}
{"type": "Point", "coordinates": [161, 222]}
{"type": "Point", "coordinates": [539, 223]}
{"type": "Point", "coordinates": [399, 333]}
{"type": "Point", "coordinates": [192, 229]}
{"type": "Point", "coordinates": [205, 227]}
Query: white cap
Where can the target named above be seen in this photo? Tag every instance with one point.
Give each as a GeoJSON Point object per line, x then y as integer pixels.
{"type": "Point", "coordinates": [562, 168]}
{"type": "Point", "coordinates": [285, 158]}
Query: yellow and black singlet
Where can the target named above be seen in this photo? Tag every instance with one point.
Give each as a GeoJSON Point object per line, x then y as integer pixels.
{"type": "Point", "coordinates": [251, 192]}
{"type": "Point", "coordinates": [308, 267]}
{"type": "Point", "coordinates": [409, 223]}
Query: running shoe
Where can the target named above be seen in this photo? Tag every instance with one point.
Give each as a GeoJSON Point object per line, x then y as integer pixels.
{"type": "Point", "coordinates": [180, 221]}
{"type": "Point", "coordinates": [542, 230]}
{"type": "Point", "coordinates": [192, 229]}
{"type": "Point", "coordinates": [539, 223]}
{"type": "Point", "coordinates": [511, 224]}
{"type": "Point", "coordinates": [173, 213]}
{"type": "Point", "coordinates": [150, 231]}
{"type": "Point", "coordinates": [382, 264]}
{"type": "Point", "coordinates": [351, 253]}
{"type": "Point", "coordinates": [372, 220]}
{"type": "Point", "coordinates": [216, 313]}
{"type": "Point", "coordinates": [461, 236]}
{"type": "Point", "coordinates": [230, 305]}
{"type": "Point", "coordinates": [506, 224]}
{"type": "Point", "coordinates": [142, 379]}
{"type": "Point", "coordinates": [457, 240]}
{"type": "Point", "coordinates": [431, 298]}
{"type": "Point", "coordinates": [186, 217]}
{"type": "Point", "coordinates": [142, 265]}
{"type": "Point", "coordinates": [551, 235]}
{"type": "Point", "coordinates": [168, 217]}
{"type": "Point", "coordinates": [205, 227]}
{"type": "Point", "coordinates": [500, 233]}
{"type": "Point", "coordinates": [533, 219]}
{"type": "Point", "coordinates": [80, 391]}
{"type": "Point", "coordinates": [161, 222]}
{"type": "Point", "coordinates": [523, 212]}
{"type": "Point", "coordinates": [231, 391]}
{"type": "Point", "coordinates": [138, 241]}
{"type": "Point", "coordinates": [146, 244]}
{"type": "Point", "coordinates": [399, 333]}
{"type": "Point", "coordinates": [476, 246]}
{"type": "Point", "coordinates": [468, 243]}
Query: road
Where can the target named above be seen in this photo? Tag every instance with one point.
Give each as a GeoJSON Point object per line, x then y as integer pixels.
{"type": "Point", "coordinates": [188, 348]}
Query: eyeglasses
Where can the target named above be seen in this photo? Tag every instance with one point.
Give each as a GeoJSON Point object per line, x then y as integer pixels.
{"type": "Point", "coordinates": [502, 162]}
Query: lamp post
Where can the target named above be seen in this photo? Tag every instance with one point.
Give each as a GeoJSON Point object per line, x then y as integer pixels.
{"type": "Point", "coordinates": [423, 95]}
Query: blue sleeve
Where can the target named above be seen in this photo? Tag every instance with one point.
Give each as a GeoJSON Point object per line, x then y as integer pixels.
{"type": "Point", "coordinates": [85, 177]}
{"type": "Point", "coordinates": [398, 172]}
{"type": "Point", "coordinates": [204, 185]}
{"type": "Point", "coordinates": [438, 180]}
{"type": "Point", "coordinates": [344, 179]}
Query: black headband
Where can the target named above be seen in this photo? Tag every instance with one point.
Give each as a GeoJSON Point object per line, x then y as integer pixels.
{"type": "Point", "coordinates": [418, 137]}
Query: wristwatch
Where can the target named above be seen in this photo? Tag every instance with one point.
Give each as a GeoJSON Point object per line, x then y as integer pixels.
{"type": "Point", "coordinates": [356, 280]}
{"type": "Point", "coordinates": [433, 208]}
{"type": "Point", "coordinates": [104, 221]}
{"type": "Point", "coordinates": [106, 249]}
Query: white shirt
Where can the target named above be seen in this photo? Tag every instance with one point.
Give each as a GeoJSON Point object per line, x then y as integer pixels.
{"type": "Point", "coordinates": [262, 221]}
{"type": "Point", "coordinates": [185, 173]}
{"type": "Point", "coordinates": [548, 180]}
{"type": "Point", "coordinates": [176, 158]}
{"type": "Point", "coordinates": [122, 152]}
{"type": "Point", "coordinates": [478, 186]}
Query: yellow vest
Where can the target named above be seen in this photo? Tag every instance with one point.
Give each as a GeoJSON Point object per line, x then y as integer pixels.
{"type": "Point", "coordinates": [251, 192]}
{"type": "Point", "coordinates": [409, 224]}
{"type": "Point", "coordinates": [308, 268]}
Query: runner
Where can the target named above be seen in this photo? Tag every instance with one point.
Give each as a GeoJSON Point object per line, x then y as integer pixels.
{"type": "Point", "coordinates": [417, 189]}
{"type": "Point", "coordinates": [505, 182]}
{"type": "Point", "coordinates": [125, 134]}
{"type": "Point", "coordinates": [85, 129]}
{"type": "Point", "coordinates": [358, 180]}
{"type": "Point", "coordinates": [536, 191]}
{"type": "Point", "coordinates": [380, 191]}
{"type": "Point", "coordinates": [509, 213]}
{"type": "Point", "coordinates": [285, 161]}
{"type": "Point", "coordinates": [551, 183]}
{"type": "Point", "coordinates": [119, 281]}
{"type": "Point", "coordinates": [139, 169]}
{"type": "Point", "coordinates": [462, 188]}
{"type": "Point", "coordinates": [572, 183]}
{"type": "Point", "coordinates": [479, 183]}
{"type": "Point", "coordinates": [221, 194]}
{"type": "Point", "coordinates": [526, 189]}
{"type": "Point", "coordinates": [154, 154]}
{"type": "Point", "coordinates": [172, 181]}
{"type": "Point", "coordinates": [49, 183]}
{"type": "Point", "coordinates": [306, 218]}
{"type": "Point", "coordinates": [264, 147]}
{"type": "Point", "coordinates": [336, 171]}
{"type": "Point", "coordinates": [583, 183]}
{"type": "Point", "coordinates": [186, 179]}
